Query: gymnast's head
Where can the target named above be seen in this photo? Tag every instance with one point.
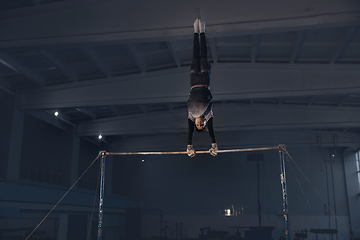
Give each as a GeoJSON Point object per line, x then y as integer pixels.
{"type": "Point", "coordinates": [200, 124]}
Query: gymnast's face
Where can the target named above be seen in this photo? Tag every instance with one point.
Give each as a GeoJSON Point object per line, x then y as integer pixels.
{"type": "Point", "coordinates": [200, 123]}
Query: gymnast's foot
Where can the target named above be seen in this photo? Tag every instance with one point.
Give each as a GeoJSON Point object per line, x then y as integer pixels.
{"type": "Point", "coordinates": [201, 26]}
{"type": "Point", "coordinates": [196, 26]}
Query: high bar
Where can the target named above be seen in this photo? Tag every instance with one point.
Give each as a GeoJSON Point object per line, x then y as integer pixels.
{"type": "Point", "coordinates": [279, 147]}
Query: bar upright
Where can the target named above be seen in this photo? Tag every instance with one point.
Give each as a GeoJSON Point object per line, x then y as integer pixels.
{"type": "Point", "coordinates": [284, 191]}
{"type": "Point", "coordinates": [101, 201]}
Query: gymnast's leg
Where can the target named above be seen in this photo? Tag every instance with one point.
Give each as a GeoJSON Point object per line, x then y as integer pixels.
{"type": "Point", "coordinates": [195, 64]}
{"type": "Point", "coordinates": [204, 63]}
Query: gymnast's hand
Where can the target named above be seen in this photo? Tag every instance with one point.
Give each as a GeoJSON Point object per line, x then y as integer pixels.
{"type": "Point", "coordinates": [214, 149]}
{"type": "Point", "coordinates": [190, 151]}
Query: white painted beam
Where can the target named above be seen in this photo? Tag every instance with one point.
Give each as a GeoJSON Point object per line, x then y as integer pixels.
{"type": "Point", "coordinates": [229, 82]}
{"type": "Point", "coordinates": [227, 118]}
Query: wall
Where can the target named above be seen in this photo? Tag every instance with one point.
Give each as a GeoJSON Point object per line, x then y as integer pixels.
{"type": "Point", "coordinates": [46, 149]}
{"type": "Point", "coordinates": [6, 107]}
{"type": "Point", "coordinates": [352, 188]}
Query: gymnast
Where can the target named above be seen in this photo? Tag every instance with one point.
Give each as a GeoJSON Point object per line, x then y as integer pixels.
{"type": "Point", "coordinates": [200, 114]}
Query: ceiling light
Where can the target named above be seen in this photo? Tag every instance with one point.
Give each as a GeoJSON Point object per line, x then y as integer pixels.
{"type": "Point", "coordinates": [100, 137]}
{"type": "Point", "coordinates": [56, 113]}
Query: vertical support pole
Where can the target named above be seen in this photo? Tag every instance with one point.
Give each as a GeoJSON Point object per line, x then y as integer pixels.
{"type": "Point", "coordinates": [284, 191]}
{"type": "Point", "coordinates": [101, 201]}
{"type": "Point", "coordinates": [258, 188]}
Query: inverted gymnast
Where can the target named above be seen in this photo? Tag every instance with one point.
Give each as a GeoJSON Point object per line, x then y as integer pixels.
{"type": "Point", "coordinates": [200, 114]}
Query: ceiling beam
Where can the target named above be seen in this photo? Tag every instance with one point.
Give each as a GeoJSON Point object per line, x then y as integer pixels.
{"type": "Point", "coordinates": [227, 118]}
{"type": "Point", "coordinates": [62, 116]}
{"type": "Point", "coordinates": [67, 71]}
{"type": "Point", "coordinates": [299, 41]}
{"type": "Point", "coordinates": [343, 100]}
{"type": "Point", "coordinates": [5, 86]}
{"type": "Point", "coordinates": [174, 54]}
{"type": "Point", "coordinates": [115, 110]}
{"type": "Point", "coordinates": [310, 101]}
{"type": "Point", "coordinates": [133, 53]}
{"type": "Point", "coordinates": [233, 44]}
{"type": "Point", "coordinates": [347, 36]}
{"type": "Point", "coordinates": [36, 2]}
{"type": "Point", "coordinates": [49, 118]}
{"type": "Point", "coordinates": [270, 19]}
{"type": "Point", "coordinates": [231, 140]}
{"type": "Point", "coordinates": [86, 112]}
{"type": "Point", "coordinates": [15, 66]}
{"type": "Point", "coordinates": [38, 8]}
{"type": "Point", "coordinates": [229, 82]}
{"type": "Point", "coordinates": [95, 59]}
{"type": "Point", "coordinates": [255, 40]}
{"type": "Point", "coordinates": [214, 53]}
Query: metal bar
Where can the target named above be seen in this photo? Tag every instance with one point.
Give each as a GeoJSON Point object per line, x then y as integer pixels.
{"type": "Point", "coordinates": [284, 191]}
{"type": "Point", "coordinates": [184, 152]}
{"type": "Point", "coordinates": [101, 201]}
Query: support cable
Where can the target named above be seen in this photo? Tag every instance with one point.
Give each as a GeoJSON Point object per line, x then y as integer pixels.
{"type": "Point", "coordinates": [307, 202]}
{"type": "Point", "coordinates": [332, 180]}
{"type": "Point", "coordinates": [249, 217]}
{"type": "Point", "coordinates": [319, 195]}
{"type": "Point", "coordinates": [327, 181]}
{"type": "Point", "coordinates": [72, 186]}
{"type": "Point", "coordinates": [92, 211]}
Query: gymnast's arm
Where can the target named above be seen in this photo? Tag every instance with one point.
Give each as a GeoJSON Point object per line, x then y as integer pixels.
{"type": "Point", "coordinates": [190, 149]}
{"type": "Point", "coordinates": [191, 127]}
{"type": "Point", "coordinates": [213, 150]}
{"type": "Point", "coordinates": [211, 130]}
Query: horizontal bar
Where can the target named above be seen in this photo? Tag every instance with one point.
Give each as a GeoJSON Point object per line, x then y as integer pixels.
{"type": "Point", "coordinates": [184, 152]}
